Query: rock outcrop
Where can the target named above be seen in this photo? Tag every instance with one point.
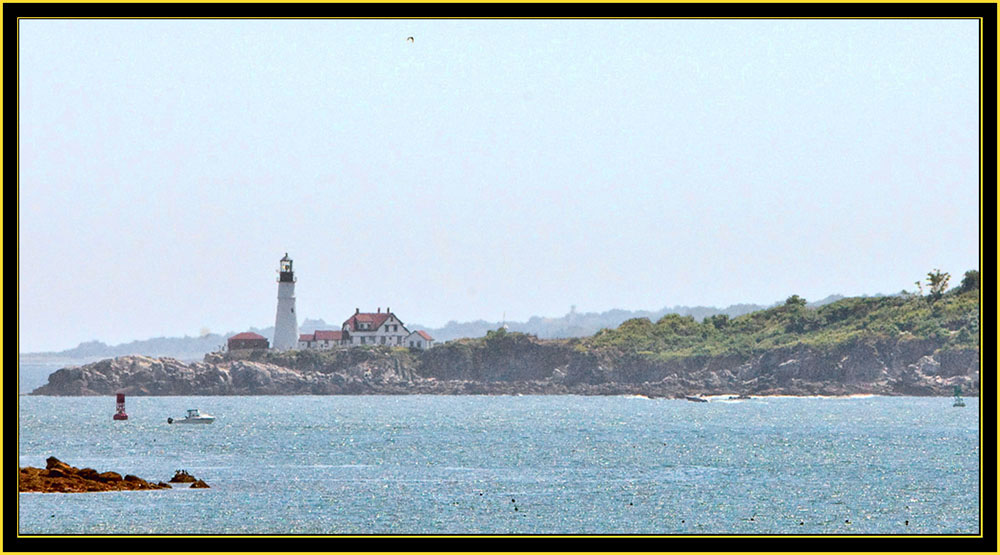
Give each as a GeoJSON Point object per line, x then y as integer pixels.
{"type": "Point", "coordinates": [515, 363]}
{"type": "Point", "coordinates": [59, 477]}
{"type": "Point", "coordinates": [182, 477]}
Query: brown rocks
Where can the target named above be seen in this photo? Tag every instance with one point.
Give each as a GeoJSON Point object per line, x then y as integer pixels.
{"type": "Point", "coordinates": [182, 476]}
{"type": "Point", "coordinates": [109, 477]}
{"type": "Point", "coordinates": [59, 477]}
{"type": "Point", "coordinates": [53, 463]}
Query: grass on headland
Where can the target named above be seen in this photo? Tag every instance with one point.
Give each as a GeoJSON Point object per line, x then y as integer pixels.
{"type": "Point", "coordinates": [951, 317]}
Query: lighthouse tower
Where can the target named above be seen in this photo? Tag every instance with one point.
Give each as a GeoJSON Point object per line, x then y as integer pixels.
{"type": "Point", "coordinates": [286, 327]}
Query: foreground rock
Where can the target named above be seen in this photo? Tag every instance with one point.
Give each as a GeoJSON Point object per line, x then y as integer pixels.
{"type": "Point", "coordinates": [520, 364]}
{"type": "Point", "coordinates": [59, 477]}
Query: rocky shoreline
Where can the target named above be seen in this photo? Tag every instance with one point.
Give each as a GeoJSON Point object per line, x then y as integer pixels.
{"type": "Point", "coordinates": [519, 364]}
{"type": "Point", "coordinates": [59, 477]}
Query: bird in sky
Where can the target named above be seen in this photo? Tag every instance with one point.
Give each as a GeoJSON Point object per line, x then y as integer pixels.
{"type": "Point", "coordinates": [409, 39]}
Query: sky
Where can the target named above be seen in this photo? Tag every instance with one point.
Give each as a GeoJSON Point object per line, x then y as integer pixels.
{"type": "Point", "coordinates": [488, 168]}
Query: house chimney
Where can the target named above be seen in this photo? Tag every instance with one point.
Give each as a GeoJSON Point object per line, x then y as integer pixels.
{"type": "Point", "coordinates": [387, 311]}
{"type": "Point", "coordinates": [357, 311]}
{"type": "Point", "coordinates": [379, 311]}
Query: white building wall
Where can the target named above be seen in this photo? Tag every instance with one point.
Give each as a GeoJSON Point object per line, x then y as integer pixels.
{"type": "Point", "coordinates": [320, 344]}
{"type": "Point", "coordinates": [286, 326]}
{"type": "Point", "coordinates": [392, 330]}
{"type": "Point", "coordinates": [415, 340]}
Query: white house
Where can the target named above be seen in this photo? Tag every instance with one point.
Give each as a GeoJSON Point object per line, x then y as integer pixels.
{"type": "Point", "coordinates": [367, 328]}
{"type": "Point", "coordinates": [374, 328]}
{"type": "Point", "coordinates": [420, 340]}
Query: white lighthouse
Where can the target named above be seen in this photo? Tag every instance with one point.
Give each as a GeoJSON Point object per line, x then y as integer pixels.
{"type": "Point", "coordinates": [286, 326]}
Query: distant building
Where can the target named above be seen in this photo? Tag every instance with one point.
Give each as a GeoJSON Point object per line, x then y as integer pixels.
{"type": "Point", "coordinates": [322, 340]}
{"type": "Point", "coordinates": [247, 340]}
{"type": "Point", "coordinates": [419, 340]}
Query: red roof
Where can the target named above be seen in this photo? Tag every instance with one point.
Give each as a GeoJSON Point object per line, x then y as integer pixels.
{"type": "Point", "coordinates": [425, 335]}
{"type": "Point", "coordinates": [306, 337]}
{"type": "Point", "coordinates": [329, 335]}
{"type": "Point", "coordinates": [247, 335]}
{"type": "Point", "coordinates": [375, 318]}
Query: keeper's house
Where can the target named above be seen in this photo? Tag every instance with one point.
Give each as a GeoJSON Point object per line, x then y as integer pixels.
{"type": "Point", "coordinates": [367, 328]}
{"type": "Point", "coordinates": [374, 328]}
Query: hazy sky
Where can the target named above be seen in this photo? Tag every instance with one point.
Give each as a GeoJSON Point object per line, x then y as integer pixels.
{"type": "Point", "coordinates": [487, 167]}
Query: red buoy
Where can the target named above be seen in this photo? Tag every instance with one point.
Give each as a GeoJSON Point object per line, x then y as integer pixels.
{"type": "Point", "coordinates": [120, 408]}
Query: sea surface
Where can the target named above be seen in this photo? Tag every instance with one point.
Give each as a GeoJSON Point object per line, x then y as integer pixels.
{"type": "Point", "coordinates": [512, 465]}
{"type": "Point", "coordinates": [33, 373]}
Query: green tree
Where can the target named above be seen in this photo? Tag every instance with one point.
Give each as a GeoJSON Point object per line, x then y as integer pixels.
{"type": "Point", "coordinates": [795, 300]}
{"type": "Point", "coordinates": [720, 321]}
{"type": "Point", "coordinates": [971, 281]}
{"type": "Point", "coordinates": [938, 283]}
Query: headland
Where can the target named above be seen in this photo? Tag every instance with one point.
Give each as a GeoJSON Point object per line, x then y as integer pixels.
{"type": "Point", "coordinates": [902, 345]}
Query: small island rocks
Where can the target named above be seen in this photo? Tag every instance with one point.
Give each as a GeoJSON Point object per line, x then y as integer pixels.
{"type": "Point", "coordinates": [60, 477]}
{"type": "Point", "coordinates": [183, 477]}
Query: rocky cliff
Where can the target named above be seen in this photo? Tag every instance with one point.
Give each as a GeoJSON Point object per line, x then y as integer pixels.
{"type": "Point", "coordinates": [516, 363]}
{"type": "Point", "coordinates": [141, 375]}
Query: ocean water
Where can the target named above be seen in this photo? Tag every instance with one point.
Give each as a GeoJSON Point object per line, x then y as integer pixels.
{"type": "Point", "coordinates": [512, 465]}
{"type": "Point", "coordinates": [34, 374]}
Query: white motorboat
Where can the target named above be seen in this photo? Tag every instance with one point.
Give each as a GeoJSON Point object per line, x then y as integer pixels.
{"type": "Point", "coordinates": [194, 416]}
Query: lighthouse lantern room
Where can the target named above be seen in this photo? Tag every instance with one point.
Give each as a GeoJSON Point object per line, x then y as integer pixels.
{"type": "Point", "coordinates": [286, 327]}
